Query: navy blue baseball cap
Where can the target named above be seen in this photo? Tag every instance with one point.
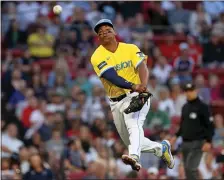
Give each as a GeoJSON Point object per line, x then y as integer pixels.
{"type": "Point", "coordinates": [103, 22]}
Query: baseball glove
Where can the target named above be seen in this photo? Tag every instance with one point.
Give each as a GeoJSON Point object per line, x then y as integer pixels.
{"type": "Point", "coordinates": [137, 102]}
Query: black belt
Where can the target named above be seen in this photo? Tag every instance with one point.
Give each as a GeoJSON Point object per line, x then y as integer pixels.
{"type": "Point", "coordinates": [119, 98]}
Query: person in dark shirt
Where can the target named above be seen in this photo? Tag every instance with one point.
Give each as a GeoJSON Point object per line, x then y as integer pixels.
{"type": "Point", "coordinates": [213, 51]}
{"type": "Point", "coordinates": [196, 129]}
{"type": "Point", "coordinates": [14, 36]}
{"type": "Point", "coordinates": [37, 170]}
{"type": "Point", "coordinates": [184, 64]}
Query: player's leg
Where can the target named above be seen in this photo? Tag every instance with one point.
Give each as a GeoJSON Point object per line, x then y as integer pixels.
{"type": "Point", "coordinates": [123, 132]}
{"type": "Point", "coordinates": [151, 147]}
{"type": "Point", "coordinates": [119, 123]}
{"type": "Point", "coordinates": [134, 125]}
{"type": "Point", "coordinates": [139, 143]}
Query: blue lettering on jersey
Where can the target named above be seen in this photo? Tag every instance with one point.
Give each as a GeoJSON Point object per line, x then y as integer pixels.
{"type": "Point", "coordinates": [123, 65]}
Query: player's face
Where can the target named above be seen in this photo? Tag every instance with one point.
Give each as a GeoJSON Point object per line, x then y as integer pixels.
{"type": "Point", "coordinates": [106, 34]}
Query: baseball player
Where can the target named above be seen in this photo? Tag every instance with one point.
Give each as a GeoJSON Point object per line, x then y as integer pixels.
{"type": "Point", "coordinates": [124, 74]}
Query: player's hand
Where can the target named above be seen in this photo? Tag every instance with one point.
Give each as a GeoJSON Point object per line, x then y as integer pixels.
{"type": "Point", "coordinates": [139, 88]}
{"type": "Point", "coordinates": [206, 147]}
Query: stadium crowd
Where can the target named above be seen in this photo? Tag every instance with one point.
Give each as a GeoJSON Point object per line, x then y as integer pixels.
{"type": "Point", "coordinates": [56, 122]}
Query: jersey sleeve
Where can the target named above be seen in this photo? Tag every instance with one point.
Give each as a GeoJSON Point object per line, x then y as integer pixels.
{"type": "Point", "coordinates": [100, 66]}
{"type": "Point", "coordinates": [137, 56]}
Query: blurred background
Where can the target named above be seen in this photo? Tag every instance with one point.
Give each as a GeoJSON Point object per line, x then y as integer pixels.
{"type": "Point", "coordinates": [55, 117]}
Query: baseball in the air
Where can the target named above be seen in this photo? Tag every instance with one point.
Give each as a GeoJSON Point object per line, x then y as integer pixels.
{"type": "Point", "coordinates": [57, 9]}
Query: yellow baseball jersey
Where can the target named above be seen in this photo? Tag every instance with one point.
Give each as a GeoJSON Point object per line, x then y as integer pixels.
{"type": "Point", "coordinates": [125, 60]}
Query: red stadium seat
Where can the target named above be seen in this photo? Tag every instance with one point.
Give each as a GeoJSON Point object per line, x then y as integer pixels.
{"type": "Point", "coordinates": [46, 65]}
{"type": "Point", "coordinates": [76, 175]}
{"type": "Point", "coordinates": [17, 53]}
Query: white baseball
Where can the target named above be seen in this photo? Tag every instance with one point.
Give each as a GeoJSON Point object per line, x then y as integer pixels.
{"type": "Point", "coordinates": [57, 9]}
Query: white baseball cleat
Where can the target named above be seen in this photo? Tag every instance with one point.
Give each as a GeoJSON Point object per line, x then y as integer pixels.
{"type": "Point", "coordinates": [167, 156]}
{"type": "Point", "coordinates": [132, 161]}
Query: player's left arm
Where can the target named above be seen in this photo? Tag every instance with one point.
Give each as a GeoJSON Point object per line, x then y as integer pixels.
{"type": "Point", "coordinates": [143, 73]}
{"type": "Point", "coordinates": [139, 61]}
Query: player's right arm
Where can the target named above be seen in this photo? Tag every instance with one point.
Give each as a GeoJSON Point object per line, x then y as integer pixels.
{"type": "Point", "coordinates": [105, 70]}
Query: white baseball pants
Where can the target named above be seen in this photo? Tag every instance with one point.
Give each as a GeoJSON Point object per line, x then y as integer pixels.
{"type": "Point", "coordinates": [130, 127]}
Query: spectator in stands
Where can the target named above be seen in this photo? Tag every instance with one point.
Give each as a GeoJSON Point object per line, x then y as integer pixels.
{"type": "Point", "coordinates": [37, 118]}
{"type": "Point", "coordinates": [158, 17]}
{"type": "Point", "coordinates": [184, 64]}
{"type": "Point", "coordinates": [56, 144]}
{"type": "Point", "coordinates": [74, 156]}
{"type": "Point", "coordinates": [6, 170]}
{"type": "Point", "coordinates": [18, 95]}
{"type": "Point", "coordinates": [11, 81]}
{"type": "Point", "coordinates": [14, 36]}
{"type": "Point", "coordinates": [122, 29]}
{"type": "Point", "coordinates": [37, 170]}
{"type": "Point", "coordinates": [23, 104]}
{"type": "Point", "coordinates": [153, 173]}
{"type": "Point", "coordinates": [162, 70]}
{"type": "Point", "coordinates": [167, 5]}
{"type": "Point", "coordinates": [26, 64]}
{"type": "Point", "coordinates": [74, 124]}
{"type": "Point", "coordinates": [54, 26]}
{"type": "Point", "coordinates": [82, 81]}
{"type": "Point", "coordinates": [219, 131]}
{"type": "Point", "coordinates": [86, 138]}
{"type": "Point", "coordinates": [56, 102]}
{"type": "Point", "coordinates": [94, 15]}
{"type": "Point", "coordinates": [32, 104]}
{"type": "Point", "coordinates": [41, 43]}
{"type": "Point", "coordinates": [203, 90]}
{"type": "Point", "coordinates": [213, 51]}
{"type": "Point", "coordinates": [153, 86]}
{"type": "Point", "coordinates": [141, 30]}
{"type": "Point", "coordinates": [156, 53]}
{"type": "Point", "coordinates": [215, 89]}
{"type": "Point", "coordinates": [208, 167]}
{"type": "Point", "coordinates": [68, 7]}
{"type": "Point", "coordinates": [170, 48]}
{"type": "Point", "coordinates": [147, 49]}
{"type": "Point", "coordinates": [60, 69]}
{"type": "Point", "coordinates": [197, 18]}
{"type": "Point", "coordinates": [9, 14]}
{"type": "Point", "coordinates": [24, 19]}
{"type": "Point", "coordinates": [178, 97]}
{"type": "Point", "coordinates": [40, 89]}
{"type": "Point", "coordinates": [157, 117]}
{"type": "Point", "coordinates": [205, 33]}
{"type": "Point", "coordinates": [165, 102]}
{"type": "Point", "coordinates": [24, 159]}
{"type": "Point", "coordinates": [179, 16]}
{"type": "Point", "coordinates": [78, 21]}
{"type": "Point", "coordinates": [38, 143]}
{"type": "Point", "coordinates": [214, 8]}
{"type": "Point", "coordinates": [10, 142]}
{"type": "Point", "coordinates": [219, 25]}
{"type": "Point", "coordinates": [195, 50]}
{"type": "Point", "coordinates": [66, 42]}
